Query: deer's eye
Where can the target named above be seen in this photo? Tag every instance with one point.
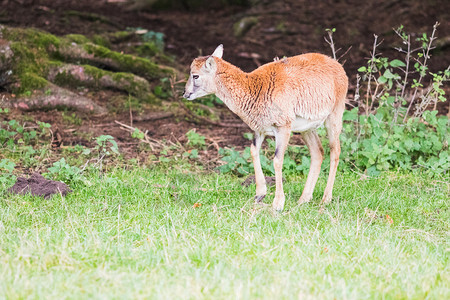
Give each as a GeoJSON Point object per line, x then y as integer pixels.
{"type": "Point", "coordinates": [195, 76]}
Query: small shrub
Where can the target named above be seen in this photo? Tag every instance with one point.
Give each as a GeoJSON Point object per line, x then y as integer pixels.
{"type": "Point", "coordinates": [62, 171]}
{"type": "Point", "coordinates": [106, 145]}
{"type": "Point", "coordinates": [374, 143]}
{"type": "Point", "coordinates": [7, 167]}
{"type": "Point", "coordinates": [195, 140]}
{"type": "Point", "coordinates": [397, 129]}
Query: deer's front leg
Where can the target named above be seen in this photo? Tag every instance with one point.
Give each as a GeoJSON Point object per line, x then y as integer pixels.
{"type": "Point", "coordinates": [281, 139]}
{"type": "Point", "coordinates": [261, 188]}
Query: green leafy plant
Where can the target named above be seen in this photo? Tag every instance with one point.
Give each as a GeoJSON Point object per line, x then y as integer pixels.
{"type": "Point", "coordinates": [44, 128]}
{"type": "Point", "coordinates": [138, 134]}
{"type": "Point", "coordinates": [155, 37]}
{"type": "Point", "coordinates": [398, 130]}
{"type": "Point", "coordinates": [62, 171]}
{"type": "Point", "coordinates": [148, 36]}
{"type": "Point", "coordinates": [163, 90]}
{"type": "Point", "coordinates": [393, 132]}
{"type": "Point", "coordinates": [191, 154]}
{"type": "Point", "coordinates": [7, 167]}
{"type": "Point", "coordinates": [13, 134]}
{"type": "Point", "coordinates": [399, 83]}
{"type": "Point", "coordinates": [375, 144]}
{"type": "Point", "coordinates": [71, 119]}
{"type": "Point", "coordinates": [210, 100]}
{"type": "Point", "coordinates": [106, 145]}
{"type": "Point", "coordinates": [195, 139]}
{"type": "Point", "coordinates": [296, 160]}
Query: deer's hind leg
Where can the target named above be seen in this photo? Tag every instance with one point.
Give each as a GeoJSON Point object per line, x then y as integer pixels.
{"type": "Point", "coordinates": [314, 144]}
{"type": "Point", "coordinates": [281, 140]}
{"type": "Point", "coordinates": [261, 188]}
{"type": "Point", "coordinates": [333, 124]}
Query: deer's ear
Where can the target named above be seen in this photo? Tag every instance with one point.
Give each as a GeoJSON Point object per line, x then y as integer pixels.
{"type": "Point", "coordinates": [218, 52]}
{"type": "Point", "coordinates": [210, 64]}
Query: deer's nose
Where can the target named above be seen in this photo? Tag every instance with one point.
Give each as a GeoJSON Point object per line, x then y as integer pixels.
{"type": "Point", "coordinates": [187, 95]}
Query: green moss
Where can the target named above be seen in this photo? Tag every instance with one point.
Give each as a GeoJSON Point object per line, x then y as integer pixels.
{"type": "Point", "coordinates": [120, 36]}
{"type": "Point", "coordinates": [26, 58]}
{"type": "Point", "coordinates": [128, 83]}
{"type": "Point", "coordinates": [32, 61]}
{"type": "Point", "coordinates": [241, 27]}
{"type": "Point", "coordinates": [77, 38]}
{"type": "Point", "coordinates": [117, 80]}
{"type": "Point", "coordinates": [151, 50]}
{"type": "Point", "coordinates": [128, 63]}
{"type": "Point", "coordinates": [82, 39]}
{"type": "Point", "coordinates": [148, 49]}
{"type": "Point", "coordinates": [91, 17]}
{"type": "Point", "coordinates": [95, 72]}
{"type": "Point", "coordinates": [101, 40]}
{"type": "Point", "coordinates": [54, 64]}
{"type": "Point", "coordinates": [36, 37]}
{"type": "Point", "coordinates": [30, 82]}
{"type": "Point", "coordinates": [125, 78]}
{"type": "Point", "coordinates": [35, 42]}
{"type": "Point", "coordinates": [66, 79]}
{"type": "Point", "coordinates": [30, 66]}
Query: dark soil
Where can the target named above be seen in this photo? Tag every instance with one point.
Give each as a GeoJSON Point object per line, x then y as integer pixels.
{"type": "Point", "coordinates": [37, 185]}
{"type": "Point", "coordinates": [283, 28]}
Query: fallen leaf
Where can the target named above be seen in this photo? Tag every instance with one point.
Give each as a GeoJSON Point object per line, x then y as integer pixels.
{"type": "Point", "coordinates": [389, 219]}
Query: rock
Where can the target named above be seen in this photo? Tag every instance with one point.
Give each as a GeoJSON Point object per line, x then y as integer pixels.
{"type": "Point", "coordinates": [241, 27]}
{"type": "Point", "coordinates": [443, 43]}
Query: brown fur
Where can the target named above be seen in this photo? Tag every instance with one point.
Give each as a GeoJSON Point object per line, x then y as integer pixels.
{"type": "Point", "coordinates": [306, 85]}
{"type": "Point", "coordinates": [292, 94]}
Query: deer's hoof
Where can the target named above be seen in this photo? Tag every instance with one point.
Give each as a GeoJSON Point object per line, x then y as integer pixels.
{"type": "Point", "coordinates": [259, 198]}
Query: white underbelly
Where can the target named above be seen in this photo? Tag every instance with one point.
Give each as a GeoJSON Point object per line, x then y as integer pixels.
{"type": "Point", "coordinates": [299, 125]}
{"type": "Point", "coordinates": [302, 125]}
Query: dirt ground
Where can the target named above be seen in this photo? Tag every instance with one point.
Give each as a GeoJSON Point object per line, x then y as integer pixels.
{"type": "Point", "coordinates": [283, 28]}
{"type": "Point", "coordinates": [37, 185]}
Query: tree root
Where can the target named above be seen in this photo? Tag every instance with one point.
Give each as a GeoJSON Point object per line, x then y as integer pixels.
{"type": "Point", "coordinates": [38, 67]}
{"type": "Point", "coordinates": [54, 97]}
{"type": "Point", "coordinates": [103, 57]}
{"type": "Point", "coordinates": [94, 77]}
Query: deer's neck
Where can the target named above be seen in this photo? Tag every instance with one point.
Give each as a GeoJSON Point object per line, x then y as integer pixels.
{"type": "Point", "coordinates": [244, 94]}
{"type": "Point", "coordinates": [232, 87]}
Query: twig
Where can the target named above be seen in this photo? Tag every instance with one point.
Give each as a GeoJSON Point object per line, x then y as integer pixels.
{"type": "Point", "coordinates": [131, 113]}
{"type": "Point", "coordinates": [421, 75]}
{"type": "Point", "coordinates": [148, 140]}
{"type": "Point", "coordinates": [345, 53]}
{"type": "Point", "coordinates": [161, 116]}
{"type": "Point", "coordinates": [372, 64]}
{"type": "Point", "coordinates": [407, 59]}
{"type": "Point", "coordinates": [330, 41]}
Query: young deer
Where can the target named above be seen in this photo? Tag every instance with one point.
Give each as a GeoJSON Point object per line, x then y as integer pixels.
{"type": "Point", "coordinates": [297, 94]}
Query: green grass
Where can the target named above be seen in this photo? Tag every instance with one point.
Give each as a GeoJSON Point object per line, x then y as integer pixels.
{"type": "Point", "coordinates": [135, 234]}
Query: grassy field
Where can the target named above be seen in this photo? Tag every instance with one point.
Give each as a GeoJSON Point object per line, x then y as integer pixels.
{"type": "Point", "coordinates": [138, 234]}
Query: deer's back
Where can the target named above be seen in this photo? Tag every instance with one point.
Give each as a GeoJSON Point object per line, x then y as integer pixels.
{"type": "Point", "coordinates": [308, 86]}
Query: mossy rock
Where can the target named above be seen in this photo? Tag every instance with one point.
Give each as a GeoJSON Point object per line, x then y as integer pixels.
{"type": "Point", "coordinates": [31, 59]}
{"type": "Point", "coordinates": [241, 27]}
{"type": "Point", "coordinates": [36, 52]}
